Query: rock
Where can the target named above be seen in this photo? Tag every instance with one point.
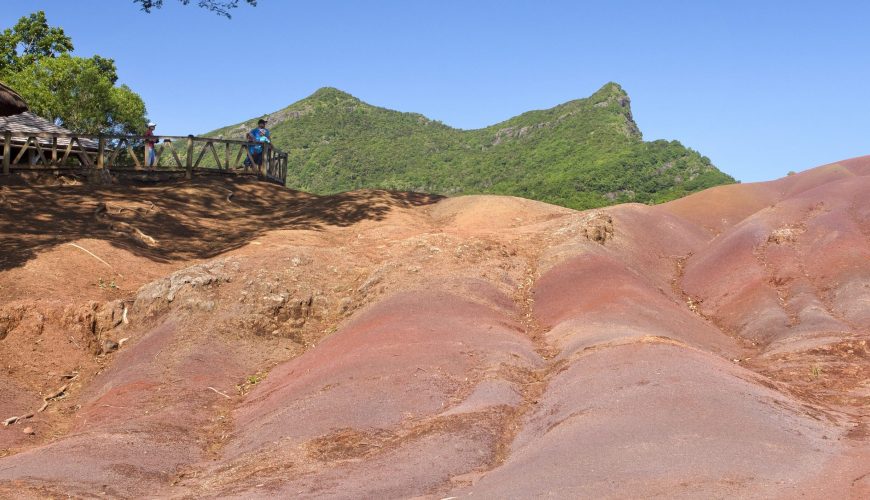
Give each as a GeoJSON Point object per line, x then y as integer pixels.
{"type": "Point", "coordinates": [197, 304]}
{"type": "Point", "coordinates": [101, 210]}
{"type": "Point", "coordinates": [198, 276]}
{"type": "Point", "coordinates": [21, 317]}
{"type": "Point", "coordinates": [256, 324]}
{"type": "Point", "coordinates": [7, 324]}
{"type": "Point", "coordinates": [784, 235]}
{"type": "Point", "coordinates": [108, 316]}
{"type": "Point", "coordinates": [346, 305]}
{"type": "Point", "coordinates": [599, 228]}
{"type": "Point", "coordinates": [375, 279]}
{"type": "Point", "coordinates": [272, 304]}
{"type": "Point", "coordinates": [109, 346]}
{"type": "Point", "coordinates": [29, 431]}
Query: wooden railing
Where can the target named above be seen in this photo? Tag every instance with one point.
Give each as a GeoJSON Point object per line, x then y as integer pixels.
{"type": "Point", "coordinates": [51, 151]}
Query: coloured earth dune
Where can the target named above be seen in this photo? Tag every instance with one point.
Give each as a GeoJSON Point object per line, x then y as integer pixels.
{"type": "Point", "coordinates": [224, 338]}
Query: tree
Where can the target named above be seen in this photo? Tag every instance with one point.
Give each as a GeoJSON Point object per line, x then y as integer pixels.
{"type": "Point", "coordinates": [220, 7]}
{"type": "Point", "coordinates": [75, 92]}
{"type": "Point", "coordinates": [107, 68]}
{"type": "Point", "coordinates": [30, 39]}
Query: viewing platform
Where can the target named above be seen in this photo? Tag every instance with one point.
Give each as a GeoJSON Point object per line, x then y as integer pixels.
{"type": "Point", "coordinates": [28, 151]}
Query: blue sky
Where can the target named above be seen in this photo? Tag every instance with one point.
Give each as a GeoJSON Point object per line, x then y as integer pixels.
{"type": "Point", "coordinates": [759, 87]}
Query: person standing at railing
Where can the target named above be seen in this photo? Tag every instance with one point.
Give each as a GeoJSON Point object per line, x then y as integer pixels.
{"type": "Point", "coordinates": [259, 135]}
{"type": "Point", "coordinates": [150, 142]}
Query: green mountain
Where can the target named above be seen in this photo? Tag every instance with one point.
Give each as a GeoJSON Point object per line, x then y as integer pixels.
{"type": "Point", "coordinates": [581, 154]}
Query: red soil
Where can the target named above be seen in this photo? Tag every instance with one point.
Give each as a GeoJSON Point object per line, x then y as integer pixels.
{"type": "Point", "coordinates": [279, 344]}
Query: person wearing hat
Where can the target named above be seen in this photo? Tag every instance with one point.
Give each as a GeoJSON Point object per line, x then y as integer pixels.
{"type": "Point", "coordinates": [258, 135]}
{"type": "Point", "coordinates": [150, 141]}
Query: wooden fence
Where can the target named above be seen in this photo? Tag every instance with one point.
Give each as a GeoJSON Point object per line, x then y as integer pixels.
{"type": "Point", "coordinates": [53, 151]}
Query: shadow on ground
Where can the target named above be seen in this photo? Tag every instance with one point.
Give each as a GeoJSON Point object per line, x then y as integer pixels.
{"type": "Point", "coordinates": [177, 220]}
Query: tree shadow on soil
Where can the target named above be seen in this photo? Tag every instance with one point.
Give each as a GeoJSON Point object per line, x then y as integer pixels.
{"type": "Point", "coordinates": [172, 221]}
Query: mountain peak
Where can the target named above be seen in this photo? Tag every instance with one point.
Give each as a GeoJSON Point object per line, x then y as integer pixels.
{"type": "Point", "coordinates": [611, 93]}
{"type": "Point", "coordinates": [611, 88]}
{"type": "Point", "coordinates": [331, 95]}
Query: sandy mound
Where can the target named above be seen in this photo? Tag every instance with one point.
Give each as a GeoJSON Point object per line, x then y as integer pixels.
{"type": "Point", "coordinates": [226, 338]}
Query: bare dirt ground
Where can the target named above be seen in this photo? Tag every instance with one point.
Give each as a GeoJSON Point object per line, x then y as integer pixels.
{"type": "Point", "coordinates": [229, 338]}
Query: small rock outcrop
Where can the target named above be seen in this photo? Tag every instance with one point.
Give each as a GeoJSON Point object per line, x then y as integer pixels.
{"type": "Point", "coordinates": [201, 275]}
{"type": "Point", "coordinates": [599, 229]}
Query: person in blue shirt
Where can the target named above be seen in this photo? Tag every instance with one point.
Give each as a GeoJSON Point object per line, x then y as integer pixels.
{"type": "Point", "coordinates": [259, 135]}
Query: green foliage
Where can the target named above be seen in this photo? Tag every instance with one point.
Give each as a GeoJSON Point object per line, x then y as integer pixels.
{"type": "Point", "coordinates": [77, 93]}
{"type": "Point", "coordinates": [126, 112]}
{"type": "Point", "coordinates": [219, 7]}
{"type": "Point", "coordinates": [582, 154]}
{"type": "Point", "coordinates": [30, 39]}
{"type": "Point", "coordinates": [103, 284]}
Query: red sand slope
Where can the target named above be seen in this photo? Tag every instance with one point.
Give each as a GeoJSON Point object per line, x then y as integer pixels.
{"type": "Point", "coordinates": [279, 344]}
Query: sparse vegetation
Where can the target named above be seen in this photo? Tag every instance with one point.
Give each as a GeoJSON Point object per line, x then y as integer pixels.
{"type": "Point", "coordinates": [104, 285]}
{"type": "Point", "coordinates": [250, 381]}
{"type": "Point", "coordinates": [219, 7]}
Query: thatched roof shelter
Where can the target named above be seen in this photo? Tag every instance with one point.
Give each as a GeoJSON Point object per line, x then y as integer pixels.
{"type": "Point", "coordinates": [10, 102]}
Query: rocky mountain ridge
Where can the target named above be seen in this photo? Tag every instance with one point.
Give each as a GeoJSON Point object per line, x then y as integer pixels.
{"type": "Point", "coordinates": [581, 154]}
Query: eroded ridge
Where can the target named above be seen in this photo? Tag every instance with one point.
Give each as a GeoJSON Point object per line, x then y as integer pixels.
{"type": "Point", "coordinates": [384, 344]}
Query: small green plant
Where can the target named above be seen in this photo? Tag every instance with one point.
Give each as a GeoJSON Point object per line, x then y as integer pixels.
{"type": "Point", "coordinates": [104, 285]}
{"type": "Point", "coordinates": [250, 381]}
{"type": "Point", "coordinates": [816, 371]}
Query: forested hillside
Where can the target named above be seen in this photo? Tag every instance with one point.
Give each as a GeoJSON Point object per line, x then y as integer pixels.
{"type": "Point", "coordinates": [581, 154]}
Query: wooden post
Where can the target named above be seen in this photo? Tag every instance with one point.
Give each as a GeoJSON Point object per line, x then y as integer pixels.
{"type": "Point", "coordinates": [189, 174]}
{"type": "Point", "coordinates": [7, 151]}
{"type": "Point", "coordinates": [101, 145]}
{"type": "Point", "coordinates": [227, 155]}
{"type": "Point", "coordinates": [54, 150]}
{"type": "Point", "coordinates": [267, 151]}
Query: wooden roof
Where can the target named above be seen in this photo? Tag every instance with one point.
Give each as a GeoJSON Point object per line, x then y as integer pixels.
{"type": "Point", "coordinates": [10, 102]}
{"type": "Point", "coordinates": [26, 123]}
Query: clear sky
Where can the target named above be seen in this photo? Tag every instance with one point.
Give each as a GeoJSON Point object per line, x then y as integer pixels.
{"type": "Point", "coordinates": [760, 87]}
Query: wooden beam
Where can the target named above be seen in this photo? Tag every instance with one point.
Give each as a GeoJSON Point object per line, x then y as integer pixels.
{"type": "Point", "coordinates": [24, 148]}
{"type": "Point", "coordinates": [39, 152]}
{"type": "Point", "coordinates": [189, 174]}
{"type": "Point", "coordinates": [66, 152]}
{"type": "Point", "coordinates": [114, 154]}
{"type": "Point", "coordinates": [101, 146]}
{"type": "Point", "coordinates": [7, 151]}
{"type": "Point", "coordinates": [215, 154]}
{"type": "Point", "coordinates": [174, 154]}
{"type": "Point", "coordinates": [158, 153]}
{"type": "Point", "coordinates": [82, 152]}
{"type": "Point", "coordinates": [133, 154]}
{"type": "Point", "coordinates": [201, 154]}
{"type": "Point", "coordinates": [242, 151]}
{"type": "Point", "coordinates": [264, 161]}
